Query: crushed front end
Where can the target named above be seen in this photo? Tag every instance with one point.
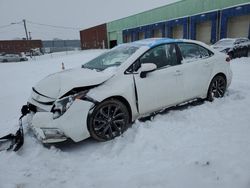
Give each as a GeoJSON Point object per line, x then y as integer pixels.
{"type": "Point", "coordinates": [56, 120]}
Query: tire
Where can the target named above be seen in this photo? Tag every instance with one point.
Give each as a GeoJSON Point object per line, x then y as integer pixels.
{"type": "Point", "coordinates": [108, 120]}
{"type": "Point", "coordinates": [242, 52]}
{"type": "Point", "coordinates": [245, 52]}
{"type": "Point", "coordinates": [216, 88]}
{"type": "Point", "coordinates": [5, 61]}
{"type": "Point", "coordinates": [231, 55]}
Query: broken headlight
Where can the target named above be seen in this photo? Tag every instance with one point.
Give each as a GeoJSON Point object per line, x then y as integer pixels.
{"type": "Point", "coordinates": [63, 104]}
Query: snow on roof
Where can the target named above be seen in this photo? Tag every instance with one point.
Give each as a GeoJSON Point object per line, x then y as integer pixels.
{"type": "Point", "coordinates": [155, 41]}
{"type": "Point", "coordinates": [233, 38]}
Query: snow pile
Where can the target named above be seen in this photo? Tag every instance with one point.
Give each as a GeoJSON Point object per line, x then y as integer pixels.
{"type": "Point", "coordinates": [205, 145]}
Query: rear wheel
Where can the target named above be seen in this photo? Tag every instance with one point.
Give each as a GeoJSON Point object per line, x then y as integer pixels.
{"type": "Point", "coordinates": [231, 55]}
{"type": "Point", "coordinates": [217, 88]}
{"type": "Point", "coordinates": [245, 52]}
{"type": "Point", "coordinates": [108, 120]}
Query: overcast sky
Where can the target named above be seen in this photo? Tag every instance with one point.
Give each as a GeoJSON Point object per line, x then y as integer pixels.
{"type": "Point", "coordinates": [68, 13]}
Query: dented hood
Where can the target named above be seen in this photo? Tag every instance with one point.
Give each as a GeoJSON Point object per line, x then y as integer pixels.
{"type": "Point", "coordinates": [57, 84]}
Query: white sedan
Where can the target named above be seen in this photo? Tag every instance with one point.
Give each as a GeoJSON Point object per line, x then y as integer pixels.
{"type": "Point", "coordinates": [234, 47]}
{"type": "Point", "coordinates": [130, 81]}
{"type": "Point", "coordinates": [12, 58]}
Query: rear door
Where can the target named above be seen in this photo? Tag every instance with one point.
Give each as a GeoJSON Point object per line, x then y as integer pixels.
{"type": "Point", "coordinates": [196, 66]}
{"type": "Point", "coordinates": [162, 87]}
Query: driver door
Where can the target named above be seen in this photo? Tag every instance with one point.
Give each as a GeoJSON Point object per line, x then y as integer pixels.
{"type": "Point", "coordinates": [162, 87]}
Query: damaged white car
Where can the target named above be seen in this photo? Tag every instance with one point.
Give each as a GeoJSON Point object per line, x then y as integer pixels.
{"type": "Point", "coordinates": [103, 97]}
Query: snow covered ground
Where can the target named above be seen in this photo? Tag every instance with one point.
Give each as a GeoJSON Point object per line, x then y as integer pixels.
{"type": "Point", "coordinates": [206, 145]}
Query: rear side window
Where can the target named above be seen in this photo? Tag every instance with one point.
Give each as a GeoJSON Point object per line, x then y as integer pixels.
{"type": "Point", "coordinates": [162, 56]}
{"type": "Point", "coordinates": [193, 52]}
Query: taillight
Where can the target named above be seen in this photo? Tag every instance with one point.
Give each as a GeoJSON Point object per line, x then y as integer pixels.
{"type": "Point", "coordinates": [228, 59]}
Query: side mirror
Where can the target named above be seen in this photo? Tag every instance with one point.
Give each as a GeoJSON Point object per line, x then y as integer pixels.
{"type": "Point", "coordinates": [146, 68]}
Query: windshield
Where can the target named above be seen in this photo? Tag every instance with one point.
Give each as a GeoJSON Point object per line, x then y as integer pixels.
{"type": "Point", "coordinates": [227, 42]}
{"type": "Point", "coordinates": [114, 57]}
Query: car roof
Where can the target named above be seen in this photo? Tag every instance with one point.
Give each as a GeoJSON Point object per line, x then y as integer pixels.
{"type": "Point", "coordinates": [151, 42]}
{"type": "Point", "coordinates": [233, 39]}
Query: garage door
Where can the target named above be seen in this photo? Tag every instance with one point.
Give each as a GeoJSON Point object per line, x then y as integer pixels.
{"type": "Point", "coordinates": [178, 32]}
{"type": "Point", "coordinates": [238, 26]}
{"type": "Point", "coordinates": [157, 33]}
{"type": "Point", "coordinates": [129, 38]}
{"type": "Point", "coordinates": [141, 35]}
{"type": "Point", "coordinates": [203, 32]}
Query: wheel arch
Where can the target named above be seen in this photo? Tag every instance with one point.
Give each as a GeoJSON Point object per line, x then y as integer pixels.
{"type": "Point", "coordinates": [220, 74]}
{"type": "Point", "coordinates": [116, 97]}
{"type": "Point", "coordinates": [124, 101]}
{"type": "Point", "coordinates": [217, 74]}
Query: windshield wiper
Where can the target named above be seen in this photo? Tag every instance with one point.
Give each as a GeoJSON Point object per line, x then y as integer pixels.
{"type": "Point", "coordinates": [92, 68]}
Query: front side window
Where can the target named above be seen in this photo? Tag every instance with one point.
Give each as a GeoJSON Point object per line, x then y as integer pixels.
{"type": "Point", "coordinates": [161, 56]}
{"type": "Point", "coordinates": [193, 52]}
{"type": "Point", "coordinates": [112, 58]}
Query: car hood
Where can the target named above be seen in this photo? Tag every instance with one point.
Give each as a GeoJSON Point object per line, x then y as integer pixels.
{"type": "Point", "coordinates": [57, 84]}
{"type": "Point", "coordinates": [221, 48]}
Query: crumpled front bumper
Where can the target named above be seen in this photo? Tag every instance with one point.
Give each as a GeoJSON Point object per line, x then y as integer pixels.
{"type": "Point", "coordinates": [72, 124]}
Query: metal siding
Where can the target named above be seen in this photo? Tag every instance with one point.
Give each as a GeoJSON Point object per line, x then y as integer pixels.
{"type": "Point", "coordinates": [182, 8]}
{"type": "Point", "coordinates": [229, 13]}
{"type": "Point", "coordinates": [129, 38]}
{"type": "Point", "coordinates": [203, 31]}
{"type": "Point", "coordinates": [141, 35]}
{"type": "Point", "coordinates": [94, 37]}
{"type": "Point", "coordinates": [178, 9]}
{"type": "Point", "coordinates": [178, 31]}
{"type": "Point", "coordinates": [157, 33]}
{"type": "Point", "coordinates": [238, 26]}
{"type": "Point", "coordinates": [113, 35]}
{"type": "Point", "coordinates": [172, 25]}
{"type": "Point", "coordinates": [199, 19]}
{"type": "Point", "coordinates": [61, 45]}
{"type": "Point", "coordinates": [17, 46]}
{"type": "Point", "coordinates": [134, 34]}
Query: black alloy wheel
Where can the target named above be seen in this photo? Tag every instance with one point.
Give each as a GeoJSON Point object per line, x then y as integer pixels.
{"type": "Point", "coordinates": [217, 87]}
{"type": "Point", "coordinates": [245, 52]}
{"type": "Point", "coordinates": [231, 55]}
{"type": "Point", "coordinates": [108, 120]}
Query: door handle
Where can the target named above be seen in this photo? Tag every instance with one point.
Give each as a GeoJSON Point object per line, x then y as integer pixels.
{"type": "Point", "coordinates": [207, 64]}
{"type": "Point", "coordinates": [178, 73]}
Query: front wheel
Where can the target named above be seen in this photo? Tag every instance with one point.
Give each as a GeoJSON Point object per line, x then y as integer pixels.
{"type": "Point", "coordinates": [217, 88]}
{"type": "Point", "coordinates": [108, 120]}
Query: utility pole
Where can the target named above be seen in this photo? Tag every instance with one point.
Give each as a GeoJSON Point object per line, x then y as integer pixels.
{"type": "Point", "coordinates": [29, 35]}
{"type": "Point", "coordinates": [24, 24]}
